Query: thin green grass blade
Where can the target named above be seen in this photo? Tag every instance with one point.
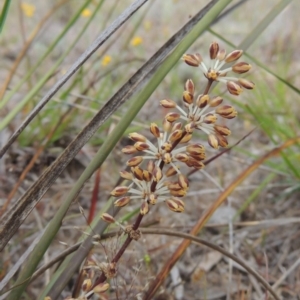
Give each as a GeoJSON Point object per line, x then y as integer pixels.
{"type": "Point", "coordinates": [4, 13]}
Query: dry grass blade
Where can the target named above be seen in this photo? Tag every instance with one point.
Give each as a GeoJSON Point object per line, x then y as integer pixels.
{"type": "Point", "coordinates": [201, 222]}
{"type": "Point", "coordinates": [80, 61]}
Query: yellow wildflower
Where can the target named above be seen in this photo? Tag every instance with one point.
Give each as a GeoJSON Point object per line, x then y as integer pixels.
{"type": "Point", "coordinates": [106, 60]}
{"type": "Point", "coordinates": [28, 9]}
{"type": "Point", "coordinates": [136, 41]}
{"type": "Point", "coordinates": [86, 13]}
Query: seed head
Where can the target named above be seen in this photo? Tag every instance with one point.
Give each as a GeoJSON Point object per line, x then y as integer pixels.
{"type": "Point", "coordinates": [214, 70]}
{"type": "Point", "coordinates": [247, 84]}
{"type": "Point", "coordinates": [135, 161]}
{"type": "Point", "coordinates": [192, 59]}
{"type": "Point", "coordinates": [108, 218]}
{"type": "Point", "coordinates": [168, 103]}
{"type": "Point", "coordinates": [213, 50]}
{"type": "Point", "coordinates": [175, 205]}
{"type": "Point", "coordinates": [136, 137]}
{"type": "Point", "coordinates": [241, 67]}
{"type": "Point", "coordinates": [154, 130]}
{"type": "Point", "coordinates": [129, 149]}
{"type": "Point", "coordinates": [122, 201]}
{"type": "Point", "coordinates": [119, 191]}
{"type": "Point", "coordinates": [233, 56]}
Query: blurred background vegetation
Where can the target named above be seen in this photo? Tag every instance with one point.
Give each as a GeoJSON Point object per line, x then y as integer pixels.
{"type": "Point", "coordinates": [40, 40]}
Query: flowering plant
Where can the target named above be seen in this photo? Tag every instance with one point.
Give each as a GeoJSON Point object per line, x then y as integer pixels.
{"type": "Point", "coordinates": [156, 177]}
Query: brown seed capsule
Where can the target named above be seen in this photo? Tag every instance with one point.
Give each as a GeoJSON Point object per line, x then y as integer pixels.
{"type": "Point", "coordinates": [168, 103]}
{"type": "Point", "coordinates": [126, 175]}
{"type": "Point", "coordinates": [171, 171]}
{"type": "Point", "coordinates": [186, 138]}
{"type": "Point", "coordinates": [174, 186]}
{"type": "Point", "coordinates": [147, 176]}
{"type": "Point", "coordinates": [189, 86]}
{"type": "Point", "coordinates": [198, 157]}
{"type": "Point", "coordinates": [193, 60]}
{"type": "Point", "coordinates": [202, 101]}
{"type": "Point", "coordinates": [138, 173]}
{"type": "Point", "coordinates": [129, 150]}
{"type": "Point", "coordinates": [183, 181]}
{"type": "Point", "coordinates": [135, 161]}
{"type": "Point", "coordinates": [210, 119]}
{"type": "Point", "coordinates": [222, 141]}
{"type": "Point", "coordinates": [233, 56]}
{"type": "Point", "coordinates": [187, 97]}
{"type": "Point", "coordinates": [167, 126]}
{"type": "Point", "coordinates": [213, 141]}
{"type": "Point", "coordinates": [178, 193]}
{"type": "Point", "coordinates": [141, 146]}
{"type": "Point", "coordinates": [222, 130]}
{"type": "Point", "coordinates": [241, 67]}
{"type": "Point", "coordinates": [175, 205]}
{"type": "Point", "coordinates": [101, 288]}
{"type": "Point", "coordinates": [154, 130]}
{"type": "Point", "coordinates": [195, 149]}
{"type": "Point", "coordinates": [193, 163]}
{"type": "Point", "coordinates": [224, 110]}
{"type": "Point", "coordinates": [213, 50]}
{"type": "Point", "coordinates": [137, 137]}
{"type": "Point", "coordinates": [221, 54]}
{"type": "Point", "coordinates": [175, 136]}
{"type": "Point", "coordinates": [234, 88]}
{"type": "Point", "coordinates": [231, 116]}
{"type": "Point", "coordinates": [172, 117]}
{"type": "Point", "coordinates": [144, 208]}
{"type": "Point", "coordinates": [119, 191]}
{"type": "Point", "coordinates": [157, 174]}
{"type": "Point", "coordinates": [214, 102]}
{"type": "Point", "coordinates": [107, 218]}
{"type": "Point", "coordinates": [122, 201]}
{"type": "Point", "coordinates": [182, 157]}
{"type": "Point", "coordinates": [246, 83]}
{"type": "Point", "coordinates": [176, 126]}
